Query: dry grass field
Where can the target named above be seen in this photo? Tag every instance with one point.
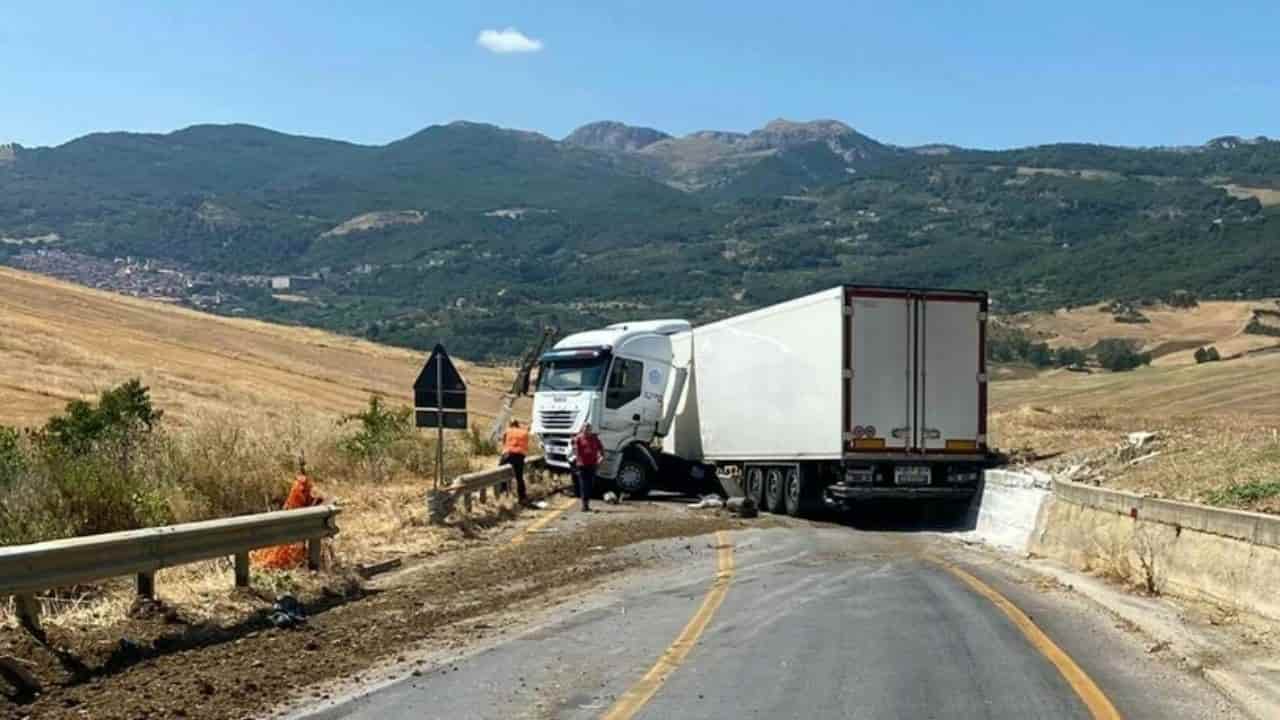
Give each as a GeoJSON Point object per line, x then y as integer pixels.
{"type": "Point", "coordinates": [1217, 428]}
{"type": "Point", "coordinates": [1267, 196]}
{"type": "Point", "coordinates": [60, 342]}
{"type": "Point", "coordinates": [1172, 335]}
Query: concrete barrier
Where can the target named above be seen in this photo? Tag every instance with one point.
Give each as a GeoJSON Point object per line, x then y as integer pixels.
{"type": "Point", "coordinates": [1228, 557]}
{"type": "Point", "coordinates": [1006, 509]}
{"type": "Point", "coordinates": [1251, 527]}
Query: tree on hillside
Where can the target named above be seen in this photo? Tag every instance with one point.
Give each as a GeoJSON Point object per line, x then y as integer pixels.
{"type": "Point", "coordinates": [1209, 354]}
{"type": "Point", "coordinates": [1119, 355]}
{"type": "Point", "coordinates": [1070, 357]}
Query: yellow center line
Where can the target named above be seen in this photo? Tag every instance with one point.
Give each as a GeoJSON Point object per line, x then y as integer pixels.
{"type": "Point", "coordinates": [1099, 706]}
{"type": "Point", "coordinates": [543, 521]}
{"type": "Point", "coordinates": [635, 698]}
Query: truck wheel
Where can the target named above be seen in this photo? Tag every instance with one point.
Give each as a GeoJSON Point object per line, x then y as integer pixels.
{"type": "Point", "coordinates": [633, 477]}
{"type": "Point", "coordinates": [755, 486]}
{"type": "Point", "coordinates": [803, 496]}
{"type": "Point", "coordinates": [774, 491]}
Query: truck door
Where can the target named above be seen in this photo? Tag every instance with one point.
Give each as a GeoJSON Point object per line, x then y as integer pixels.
{"type": "Point", "coordinates": [882, 339]}
{"type": "Point", "coordinates": [949, 381]}
{"type": "Point", "coordinates": [624, 402]}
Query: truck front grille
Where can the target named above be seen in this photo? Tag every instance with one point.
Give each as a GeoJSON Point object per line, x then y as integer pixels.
{"type": "Point", "coordinates": [557, 419]}
{"type": "Point", "coordinates": [555, 450]}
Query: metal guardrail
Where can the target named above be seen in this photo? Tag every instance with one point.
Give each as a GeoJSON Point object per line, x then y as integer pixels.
{"type": "Point", "coordinates": [27, 569]}
{"type": "Point", "coordinates": [441, 501]}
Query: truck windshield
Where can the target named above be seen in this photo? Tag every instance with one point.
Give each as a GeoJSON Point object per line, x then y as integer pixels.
{"type": "Point", "coordinates": [572, 374]}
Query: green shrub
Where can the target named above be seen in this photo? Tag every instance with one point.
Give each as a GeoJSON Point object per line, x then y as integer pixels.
{"type": "Point", "coordinates": [1070, 357]}
{"type": "Point", "coordinates": [13, 464]}
{"type": "Point", "coordinates": [380, 430]}
{"type": "Point", "coordinates": [1209, 354]}
{"type": "Point", "coordinates": [1257, 327]}
{"type": "Point", "coordinates": [1245, 494]}
{"type": "Point", "coordinates": [1120, 355]}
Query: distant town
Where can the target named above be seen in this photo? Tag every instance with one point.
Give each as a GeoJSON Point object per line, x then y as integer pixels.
{"type": "Point", "coordinates": [165, 281]}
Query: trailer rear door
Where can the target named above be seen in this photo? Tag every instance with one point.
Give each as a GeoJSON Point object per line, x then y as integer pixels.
{"type": "Point", "coordinates": [949, 383]}
{"type": "Point", "coordinates": [881, 346]}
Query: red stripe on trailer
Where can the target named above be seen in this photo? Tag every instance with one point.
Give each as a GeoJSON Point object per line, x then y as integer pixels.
{"type": "Point", "coordinates": [853, 292]}
{"type": "Point", "coordinates": [982, 370]}
{"type": "Point", "coordinates": [846, 322]}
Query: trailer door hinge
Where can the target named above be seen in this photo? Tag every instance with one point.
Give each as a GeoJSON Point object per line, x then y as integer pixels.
{"type": "Point", "coordinates": [982, 317]}
{"type": "Point", "coordinates": [848, 309]}
{"type": "Point", "coordinates": [848, 374]}
{"type": "Point", "coordinates": [982, 377]}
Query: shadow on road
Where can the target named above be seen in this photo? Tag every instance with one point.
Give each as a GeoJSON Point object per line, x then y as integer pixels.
{"type": "Point", "coordinates": [905, 516]}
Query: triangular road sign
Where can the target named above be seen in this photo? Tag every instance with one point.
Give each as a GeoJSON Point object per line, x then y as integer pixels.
{"type": "Point", "coordinates": [440, 387]}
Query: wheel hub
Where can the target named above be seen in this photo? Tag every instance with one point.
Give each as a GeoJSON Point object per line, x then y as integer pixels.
{"type": "Point", "coordinates": [630, 477]}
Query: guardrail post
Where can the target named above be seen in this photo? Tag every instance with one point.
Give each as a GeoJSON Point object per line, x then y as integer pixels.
{"type": "Point", "coordinates": [242, 569]}
{"type": "Point", "coordinates": [439, 504]}
{"type": "Point", "coordinates": [147, 585]}
{"type": "Point", "coordinates": [28, 611]}
{"type": "Point", "coordinates": [313, 554]}
{"type": "Point", "coordinates": [484, 495]}
{"type": "Point", "coordinates": [466, 501]}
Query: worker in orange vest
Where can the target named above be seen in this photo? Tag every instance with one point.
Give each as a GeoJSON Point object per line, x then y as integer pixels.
{"type": "Point", "coordinates": [301, 495]}
{"type": "Point", "coordinates": [515, 446]}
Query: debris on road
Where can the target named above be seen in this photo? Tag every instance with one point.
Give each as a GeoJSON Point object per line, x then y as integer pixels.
{"type": "Point", "coordinates": [742, 507]}
{"type": "Point", "coordinates": [368, 571]}
{"type": "Point", "coordinates": [611, 498]}
{"type": "Point", "coordinates": [287, 612]}
{"type": "Point", "coordinates": [708, 502]}
{"type": "Point", "coordinates": [252, 666]}
{"type": "Point", "coordinates": [18, 674]}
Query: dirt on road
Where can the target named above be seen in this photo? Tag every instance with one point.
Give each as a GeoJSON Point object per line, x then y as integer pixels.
{"type": "Point", "coordinates": [157, 665]}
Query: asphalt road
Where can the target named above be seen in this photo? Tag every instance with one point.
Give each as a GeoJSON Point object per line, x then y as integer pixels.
{"type": "Point", "coordinates": [818, 621]}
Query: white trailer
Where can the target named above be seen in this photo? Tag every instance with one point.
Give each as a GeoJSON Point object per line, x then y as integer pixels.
{"type": "Point", "coordinates": [847, 394]}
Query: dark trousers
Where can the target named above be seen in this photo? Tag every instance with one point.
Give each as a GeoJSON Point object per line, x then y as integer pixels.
{"type": "Point", "coordinates": [586, 475]}
{"type": "Point", "coordinates": [516, 461]}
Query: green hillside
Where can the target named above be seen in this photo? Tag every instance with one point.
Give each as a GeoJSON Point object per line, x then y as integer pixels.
{"type": "Point", "coordinates": [513, 229]}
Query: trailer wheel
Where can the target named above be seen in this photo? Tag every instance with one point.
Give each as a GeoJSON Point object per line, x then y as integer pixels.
{"type": "Point", "coordinates": [755, 486]}
{"type": "Point", "coordinates": [803, 495]}
{"type": "Point", "coordinates": [633, 477]}
{"type": "Point", "coordinates": [774, 491]}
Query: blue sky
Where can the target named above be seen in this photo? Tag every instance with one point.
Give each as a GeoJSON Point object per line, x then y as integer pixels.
{"type": "Point", "coordinates": [979, 74]}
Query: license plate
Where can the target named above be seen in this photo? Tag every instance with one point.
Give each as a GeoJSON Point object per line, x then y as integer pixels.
{"type": "Point", "coordinates": [911, 475]}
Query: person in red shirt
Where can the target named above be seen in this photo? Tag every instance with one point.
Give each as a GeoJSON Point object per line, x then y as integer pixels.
{"type": "Point", "coordinates": [515, 446]}
{"type": "Point", "coordinates": [588, 452]}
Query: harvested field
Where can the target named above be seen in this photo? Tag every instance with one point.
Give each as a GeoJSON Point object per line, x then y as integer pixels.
{"type": "Point", "coordinates": [61, 342]}
{"type": "Point", "coordinates": [1217, 429]}
{"type": "Point", "coordinates": [1172, 335]}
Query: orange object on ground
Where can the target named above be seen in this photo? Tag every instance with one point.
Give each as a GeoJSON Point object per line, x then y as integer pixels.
{"type": "Point", "coordinates": [290, 556]}
{"type": "Point", "coordinates": [516, 441]}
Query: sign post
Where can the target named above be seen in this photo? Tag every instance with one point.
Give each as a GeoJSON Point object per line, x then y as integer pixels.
{"type": "Point", "coordinates": [440, 401]}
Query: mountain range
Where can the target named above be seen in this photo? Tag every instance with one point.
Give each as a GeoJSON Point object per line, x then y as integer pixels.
{"type": "Point", "coordinates": [477, 234]}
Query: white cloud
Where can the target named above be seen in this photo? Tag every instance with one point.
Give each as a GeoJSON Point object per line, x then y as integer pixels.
{"type": "Point", "coordinates": [510, 40]}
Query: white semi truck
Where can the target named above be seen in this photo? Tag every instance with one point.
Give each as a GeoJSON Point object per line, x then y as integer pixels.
{"type": "Point", "coordinates": [848, 394]}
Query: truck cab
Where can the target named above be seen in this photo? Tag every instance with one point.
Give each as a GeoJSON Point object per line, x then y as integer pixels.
{"type": "Point", "coordinates": [615, 379]}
